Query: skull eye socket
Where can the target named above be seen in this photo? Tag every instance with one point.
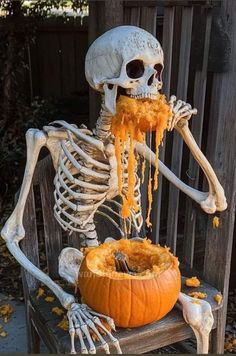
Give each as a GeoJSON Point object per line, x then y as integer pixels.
{"type": "Point", "coordinates": [158, 67]}
{"type": "Point", "coordinates": [135, 69]}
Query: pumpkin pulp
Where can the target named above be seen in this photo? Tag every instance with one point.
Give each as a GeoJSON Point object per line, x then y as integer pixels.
{"type": "Point", "coordinates": [133, 119]}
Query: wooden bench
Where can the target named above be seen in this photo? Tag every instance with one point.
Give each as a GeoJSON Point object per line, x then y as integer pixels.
{"type": "Point", "coordinates": [41, 322]}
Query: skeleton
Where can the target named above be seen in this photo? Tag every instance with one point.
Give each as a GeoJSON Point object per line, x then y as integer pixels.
{"type": "Point", "coordinates": [126, 59]}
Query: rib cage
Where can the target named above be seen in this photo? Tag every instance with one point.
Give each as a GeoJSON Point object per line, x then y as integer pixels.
{"type": "Point", "coordinates": [82, 186]}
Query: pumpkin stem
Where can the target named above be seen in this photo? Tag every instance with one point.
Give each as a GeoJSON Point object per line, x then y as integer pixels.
{"type": "Point", "coordinates": [121, 264]}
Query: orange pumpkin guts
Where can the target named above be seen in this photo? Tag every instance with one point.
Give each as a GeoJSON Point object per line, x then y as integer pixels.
{"type": "Point", "coordinates": [136, 292]}
{"type": "Point", "coordinates": [133, 119]}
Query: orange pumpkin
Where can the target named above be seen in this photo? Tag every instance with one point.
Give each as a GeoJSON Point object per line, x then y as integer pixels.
{"type": "Point", "coordinates": [145, 294]}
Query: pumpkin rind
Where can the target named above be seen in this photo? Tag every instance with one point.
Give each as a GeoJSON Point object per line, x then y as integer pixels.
{"type": "Point", "coordinates": [131, 301]}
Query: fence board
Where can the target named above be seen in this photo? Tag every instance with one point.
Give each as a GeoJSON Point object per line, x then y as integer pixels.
{"type": "Point", "coordinates": [184, 59]}
{"type": "Point", "coordinates": [67, 64]}
{"type": "Point", "coordinates": [49, 64]}
{"type": "Point", "coordinates": [57, 59]}
{"type": "Point", "coordinates": [80, 50]}
{"type": "Point", "coordinates": [30, 249]}
{"type": "Point", "coordinates": [221, 152]}
{"type": "Point", "coordinates": [167, 45]}
{"type": "Point", "coordinates": [196, 128]}
{"type": "Point", "coordinates": [148, 23]}
{"type": "Point", "coordinates": [132, 16]}
{"type": "Point", "coordinates": [52, 230]}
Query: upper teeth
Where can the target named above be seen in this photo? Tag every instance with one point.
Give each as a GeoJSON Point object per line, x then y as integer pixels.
{"type": "Point", "coordinates": [143, 95]}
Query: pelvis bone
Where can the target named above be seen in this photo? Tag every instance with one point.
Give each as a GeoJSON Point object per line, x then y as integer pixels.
{"type": "Point", "coordinates": [70, 260]}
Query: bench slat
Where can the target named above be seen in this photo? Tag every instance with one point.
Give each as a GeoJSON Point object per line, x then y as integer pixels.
{"type": "Point", "coordinates": [177, 147]}
{"type": "Point", "coordinates": [52, 230]}
{"type": "Point", "coordinates": [29, 244]}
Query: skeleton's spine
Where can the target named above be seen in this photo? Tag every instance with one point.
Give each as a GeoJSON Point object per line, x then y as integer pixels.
{"type": "Point", "coordinates": [103, 126]}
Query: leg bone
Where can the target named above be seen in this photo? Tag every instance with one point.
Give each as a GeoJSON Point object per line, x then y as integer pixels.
{"type": "Point", "coordinates": [198, 314]}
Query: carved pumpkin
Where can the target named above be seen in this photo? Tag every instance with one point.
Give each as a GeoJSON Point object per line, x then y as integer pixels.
{"type": "Point", "coordinates": [134, 291]}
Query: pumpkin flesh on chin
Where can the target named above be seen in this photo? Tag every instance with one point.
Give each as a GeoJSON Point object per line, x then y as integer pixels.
{"type": "Point", "coordinates": [136, 299]}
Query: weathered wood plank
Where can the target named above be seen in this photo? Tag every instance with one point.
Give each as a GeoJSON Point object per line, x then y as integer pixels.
{"type": "Point", "coordinates": [132, 16]}
{"type": "Point", "coordinates": [52, 230]}
{"type": "Point", "coordinates": [80, 49]}
{"type": "Point", "coordinates": [167, 45]}
{"type": "Point", "coordinates": [148, 19]}
{"type": "Point", "coordinates": [103, 15]}
{"type": "Point", "coordinates": [67, 64]}
{"type": "Point", "coordinates": [221, 153]}
{"type": "Point", "coordinates": [177, 148]}
{"type": "Point", "coordinates": [29, 244]}
{"type": "Point", "coordinates": [33, 339]}
{"type": "Point", "coordinates": [95, 29]}
{"type": "Point", "coordinates": [49, 64]}
{"type": "Point", "coordinates": [147, 22]}
{"type": "Point", "coordinates": [196, 128]}
{"type": "Point", "coordinates": [74, 240]}
{"type": "Point", "coordinates": [132, 3]}
{"type": "Point", "coordinates": [113, 14]}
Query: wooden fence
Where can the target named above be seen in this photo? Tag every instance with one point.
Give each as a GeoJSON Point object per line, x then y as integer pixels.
{"type": "Point", "coordinates": [56, 58]}
{"type": "Point", "coordinates": [195, 37]}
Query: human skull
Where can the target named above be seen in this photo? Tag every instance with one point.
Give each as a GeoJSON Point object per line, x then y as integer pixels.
{"type": "Point", "coordinates": [125, 57]}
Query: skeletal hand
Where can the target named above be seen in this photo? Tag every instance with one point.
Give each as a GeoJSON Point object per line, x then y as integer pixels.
{"type": "Point", "coordinates": [182, 112]}
{"type": "Point", "coordinates": [82, 321]}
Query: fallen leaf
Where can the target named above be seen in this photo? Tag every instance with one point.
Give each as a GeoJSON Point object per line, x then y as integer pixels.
{"type": "Point", "coordinates": [107, 326]}
{"type": "Point", "coordinates": [229, 346]}
{"type": "Point", "coordinates": [40, 293]}
{"type": "Point", "coordinates": [6, 311]}
{"type": "Point", "coordinates": [102, 332]}
{"type": "Point", "coordinates": [57, 311]}
{"type": "Point", "coordinates": [3, 333]}
{"type": "Point", "coordinates": [64, 324]}
{"type": "Point", "coordinates": [94, 336]}
{"type": "Point", "coordinates": [49, 299]}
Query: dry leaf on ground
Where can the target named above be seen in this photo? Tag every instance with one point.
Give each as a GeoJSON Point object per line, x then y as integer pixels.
{"type": "Point", "coordinates": [49, 299]}
{"type": "Point", "coordinates": [58, 311]}
{"type": "Point", "coordinates": [64, 324]}
{"type": "Point", "coordinates": [6, 311]}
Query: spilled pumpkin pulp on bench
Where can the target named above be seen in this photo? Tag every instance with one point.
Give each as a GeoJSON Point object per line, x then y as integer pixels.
{"type": "Point", "coordinates": [136, 299]}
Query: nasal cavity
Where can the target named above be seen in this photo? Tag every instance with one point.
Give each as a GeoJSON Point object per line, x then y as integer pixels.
{"type": "Point", "coordinates": [150, 80]}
